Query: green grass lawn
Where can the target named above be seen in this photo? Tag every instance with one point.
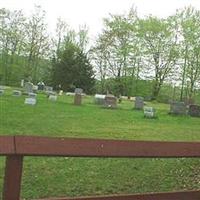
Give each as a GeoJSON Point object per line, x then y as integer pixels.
{"type": "Point", "coordinates": [46, 177]}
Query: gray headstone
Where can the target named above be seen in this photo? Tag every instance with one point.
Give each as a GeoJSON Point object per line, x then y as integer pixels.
{"type": "Point", "coordinates": [30, 101]}
{"type": "Point", "coordinates": [110, 101]}
{"type": "Point", "coordinates": [32, 95]}
{"type": "Point", "coordinates": [178, 108]}
{"type": "Point", "coordinates": [78, 91]}
{"type": "Point", "coordinates": [50, 93]}
{"type": "Point", "coordinates": [149, 112]}
{"type": "Point", "coordinates": [139, 103]}
{"type": "Point", "coordinates": [28, 87]}
{"type": "Point", "coordinates": [99, 99]}
{"type": "Point", "coordinates": [17, 93]}
{"type": "Point", "coordinates": [48, 88]}
{"type": "Point", "coordinates": [77, 99]}
{"type": "Point", "coordinates": [194, 110]}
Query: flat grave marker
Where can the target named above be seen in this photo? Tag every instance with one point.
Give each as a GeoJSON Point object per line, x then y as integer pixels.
{"type": "Point", "coordinates": [30, 101]}
{"type": "Point", "coordinates": [17, 93]}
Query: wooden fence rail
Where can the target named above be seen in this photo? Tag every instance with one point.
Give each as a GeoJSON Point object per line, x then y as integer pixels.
{"type": "Point", "coordinates": [16, 147]}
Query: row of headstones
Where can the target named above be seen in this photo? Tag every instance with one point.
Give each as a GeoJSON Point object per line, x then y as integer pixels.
{"type": "Point", "coordinates": [110, 101]}
{"type": "Point", "coordinates": [31, 99]}
{"type": "Point", "coordinates": [107, 101]}
{"type": "Point", "coordinates": [178, 108]}
{"type": "Point", "coordinates": [30, 87]}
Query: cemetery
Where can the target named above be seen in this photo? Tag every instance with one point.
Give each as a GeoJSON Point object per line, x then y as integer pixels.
{"type": "Point", "coordinates": [110, 112]}
{"type": "Point", "coordinates": [63, 119]}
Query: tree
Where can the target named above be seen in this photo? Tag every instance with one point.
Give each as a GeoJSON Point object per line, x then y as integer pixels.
{"type": "Point", "coordinates": [11, 42]}
{"type": "Point", "coordinates": [37, 42]}
{"type": "Point", "coordinates": [161, 53]}
{"type": "Point", "coordinates": [190, 45]}
{"type": "Point", "coordinates": [115, 50]}
{"type": "Point", "coordinates": [72, 69]}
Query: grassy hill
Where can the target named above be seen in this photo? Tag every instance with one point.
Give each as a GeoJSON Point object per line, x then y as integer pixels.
{"type": "Point", "coordinates": [45, 177]}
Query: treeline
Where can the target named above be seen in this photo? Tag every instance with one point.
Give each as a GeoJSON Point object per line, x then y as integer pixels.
{"type": "Point", "coordinates": [159, 50]}
{"type": "Point", "coordinates": [29, 52]}
{"type": "Point", "coordinates": [129, 51]}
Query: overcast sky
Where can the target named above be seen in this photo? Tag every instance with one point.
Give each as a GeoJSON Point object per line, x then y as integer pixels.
{"type": "Point", "coordinates": [91, 12]}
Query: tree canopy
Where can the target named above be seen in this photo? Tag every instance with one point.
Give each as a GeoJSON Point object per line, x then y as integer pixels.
{"type": "Point", "coordinates": [129, 51]}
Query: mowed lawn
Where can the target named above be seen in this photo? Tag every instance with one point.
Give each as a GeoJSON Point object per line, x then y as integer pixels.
{"type": "Point", "coordinates": [47, 177]}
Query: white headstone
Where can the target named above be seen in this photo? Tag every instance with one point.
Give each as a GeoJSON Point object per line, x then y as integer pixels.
{"type": "Point", "coordinates": [30, 101]}
{"type": "Point", "coordinates": [124, 97]}
{"type": "Point", "coordinates": [149, 112]}
{"type": "Point", "coordinates": [70, 93]}
{"type": "Point", "coordinates": [99, 99]}
{"type": "Point", "coordinates": [53, 97]}
{"type": "Point", "coordinates": [35, 87]}
{"type": "Point", "coordinates": [22, 83]}
{"type": "Point", "coordinates": [61, 92]}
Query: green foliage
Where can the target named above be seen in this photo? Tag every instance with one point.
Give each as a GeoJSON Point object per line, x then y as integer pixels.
{"type": "Point", "coordinates": [128, 50]}
{"type": "Point", "coordinates": [72, 69]}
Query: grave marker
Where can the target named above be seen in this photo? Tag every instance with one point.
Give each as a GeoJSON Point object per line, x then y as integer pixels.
{"type": "Point", "coordinates": [48, 89]}
{"type": "Point", "coordinates": [32, 95]}
{"type": "Point", "coordinates": [139, 103]}
{"type": "Point", "coordinates": [194, 110]}
{"type": "Point", "coordinates": [99, 99]}
{"type": "Point", "coordinates": [78, 96]}
{"type": "Point", "coordinates": [53, 97]}
{"type": "Point", "coordinates": [110, 101]}
{"type": "Point", "coordinates": [28, 86]}
{"type": "Point", "coordinates": [41, 86]}
{"type": "Point", "coordinates": [149, 112]}
{"type": "Point", "coordinates": [178, 108]}
{"type": "Point", "coordinates": [30, 101]}
{"type": "Point", "coordinates": [17, 93]}
{"type": "Point", "coordinates": [78, 91]}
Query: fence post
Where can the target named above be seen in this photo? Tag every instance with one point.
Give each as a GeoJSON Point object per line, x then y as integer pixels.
{"type": "Point", "coordinates": [12, 179]}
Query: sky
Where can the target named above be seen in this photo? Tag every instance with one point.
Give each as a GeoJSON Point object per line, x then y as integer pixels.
{"type": "Point", "coordinates": [91, 12]}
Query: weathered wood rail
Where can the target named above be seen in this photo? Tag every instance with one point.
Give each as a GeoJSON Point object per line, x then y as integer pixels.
{"type": "Point", "coordinates": [16, 147]}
